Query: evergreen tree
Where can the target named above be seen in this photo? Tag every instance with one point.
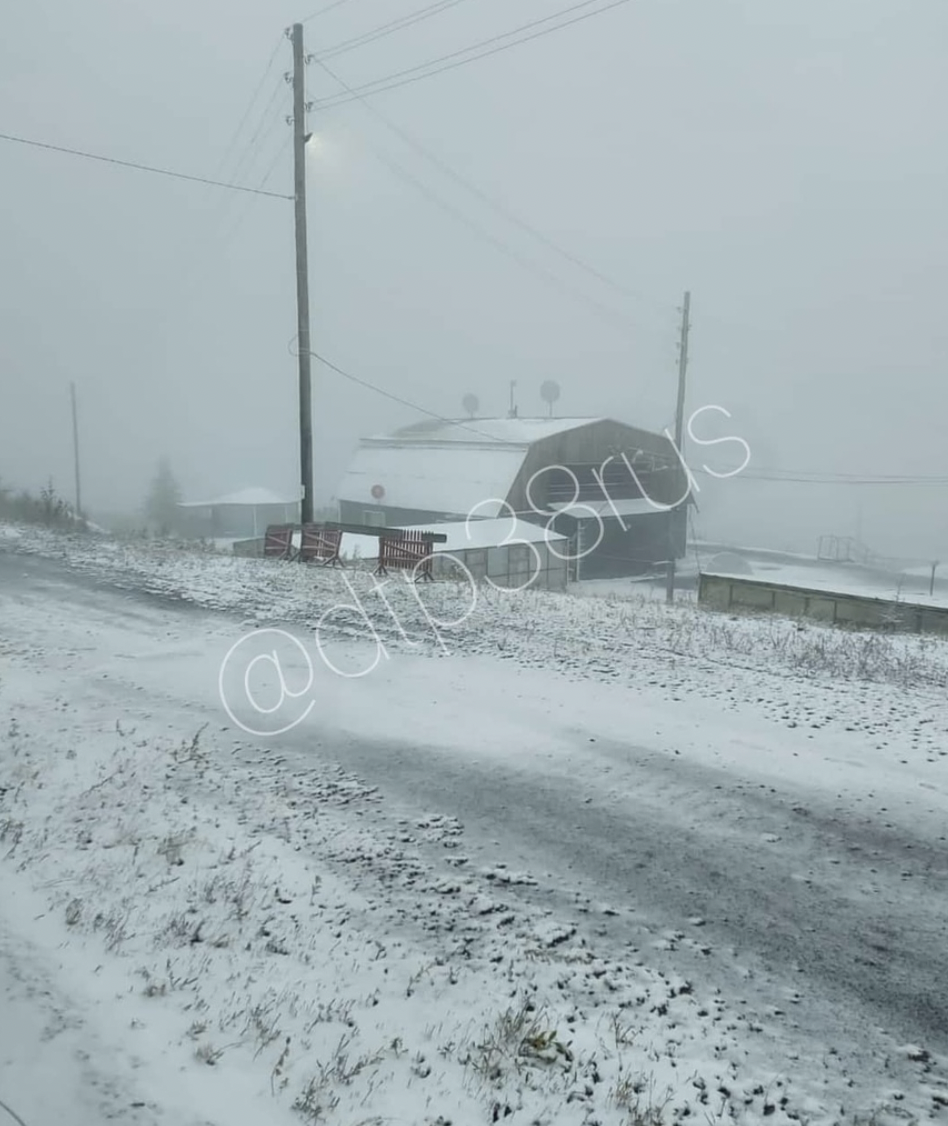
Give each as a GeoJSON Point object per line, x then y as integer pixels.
{"type": "Point", "coordinates": [164, 496]}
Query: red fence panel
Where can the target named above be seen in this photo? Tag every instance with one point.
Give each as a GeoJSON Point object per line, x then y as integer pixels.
{"type": "Point", "coordinates": [319, 544]}
{"type": "Point", "coordinates": [278, 542]}
{"type": "Point", "coordinates": [410, 551]}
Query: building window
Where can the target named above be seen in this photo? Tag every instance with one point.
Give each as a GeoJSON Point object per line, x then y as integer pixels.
{"type": "Point", "coordinates": [373, 518]}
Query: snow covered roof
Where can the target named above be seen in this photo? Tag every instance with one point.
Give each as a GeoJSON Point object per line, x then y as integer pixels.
{"type": "Point", "coordinates": [480, 431]}
{"type": "Point", "coordinates": [245, 498]}
{"type": "Point", "coordinates": [449, 467]}
{"type": "Point", "coordinates": [453, 480]}
{"type": "Point", "coordinates": [489, 533]}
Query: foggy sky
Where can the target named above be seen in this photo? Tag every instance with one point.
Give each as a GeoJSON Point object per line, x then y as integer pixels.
{"type": "Point", "coordinates": [785, 161]}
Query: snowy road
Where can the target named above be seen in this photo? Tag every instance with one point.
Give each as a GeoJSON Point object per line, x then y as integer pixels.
{"type": "Point", "coordinates": [790, 863]}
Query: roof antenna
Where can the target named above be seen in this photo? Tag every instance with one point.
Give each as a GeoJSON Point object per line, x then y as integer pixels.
{"type": "Point", "coordinates": [512, 413]}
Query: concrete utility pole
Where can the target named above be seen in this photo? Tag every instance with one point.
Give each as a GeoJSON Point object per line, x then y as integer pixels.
{"type": "Point", "coordinates": [675, 515]}
{"type": "Point", "coordinates": [302, 276]}
{"type": "Point", "coordinates": [75, 448]}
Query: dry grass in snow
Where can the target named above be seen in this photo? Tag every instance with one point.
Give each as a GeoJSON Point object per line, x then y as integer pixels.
{"type": "Point", "coordinates": [203, 885]}
{"type": "Point", "coordinates": [267, 952]}
{"type": "Point", "coordinates": [601, 636]}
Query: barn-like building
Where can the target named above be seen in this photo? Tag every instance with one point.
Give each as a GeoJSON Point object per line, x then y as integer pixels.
{"type": "Point", "coordinates": [238, 515]}
{"type": "Point", "coordinates": [630, 483]}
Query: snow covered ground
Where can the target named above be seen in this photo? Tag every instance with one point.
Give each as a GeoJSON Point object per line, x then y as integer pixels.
{"type": "Point", "coordinates": [568, 861]}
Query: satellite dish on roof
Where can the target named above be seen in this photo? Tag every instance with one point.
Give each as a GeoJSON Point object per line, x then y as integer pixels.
{"type": "Point", "coordinates": [549, 393]}
{"type": "Point", "coordinates": [471, 404]}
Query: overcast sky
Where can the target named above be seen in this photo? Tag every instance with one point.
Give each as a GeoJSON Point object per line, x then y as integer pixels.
{"type": "Point", "coordinates": [785, 160]}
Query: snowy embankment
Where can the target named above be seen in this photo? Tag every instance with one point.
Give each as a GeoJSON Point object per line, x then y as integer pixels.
{"type": "Point", "coordinates": [190, 892]}
{"type": "Point", "coordinates": [217, 962]}
{"type": "Point", "coordinates": [598, 637]}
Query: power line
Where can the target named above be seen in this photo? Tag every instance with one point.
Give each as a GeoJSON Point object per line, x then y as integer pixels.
{"type": "Point", "coordinates": [396, 398]}
{"type": "Point", "coordinates": [230, 234]}
{"type": "Point", "coordinates": [282, 149]}
{"type": "Point", "coordinates": [247, 158]}
{"type": "Point", "coordinates": [250, 105]}
{"type": "Point", "coordinates": [605, 311]}
{"type": "Point", "coordinates": [388, 28]}
{"type": "Point", "coordinates": [500, 208]}
{"type": "Point", "coordinates": [800, 477]}
{"type": "Point", "coordinates": [857, 478]}
{"type": "Point", "coordinates": [141, 167]}
{"type": "Point", "coordinates": [405, 77]}
{"type": "Point", "coordinates": [772, 477]}
{"type": "Point", "coordinates": [828, 480]}
{"type": "Point", "coordinates": [323, 11]}
{"type": "Point", "coordinates": [266, 120]}
{"type": "Point", "coordinates": [616, 319]}
{"type": "Point", "coordinates": [16, 1118]}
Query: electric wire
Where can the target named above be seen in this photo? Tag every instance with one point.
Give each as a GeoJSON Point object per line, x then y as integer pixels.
{"type": "Point", "coordinates": [267, 120]}
{"type": "Point", "coordinates": [141, 167]}
{"type": "Point", "coordinates": [323, 11]}
{"type": "Point", "coordinates": [232, 232]}
{"type": "Point", "coordinates": [393, 397]}
{"type": "Point", "coordinates": [800, 477]}
{"type": "Point", "coordinates": [16, 1118]}
{"type": "Point", "coordinates": [368, 385]}
{"type": "Point", "coordinates": [488, 200]}
{"type": "Point", "coordinates": [386, 29]}
{"type": "Point", "coordinates": [453, 59]}
{"type": "Point", "coordinates": [280, 151]}
{"type": "Point", "coordinates": [492, 438]}
{"type": "Point", "coordinates": [622, 324]}
{"type": "Point", "coordinates": [250, 105]}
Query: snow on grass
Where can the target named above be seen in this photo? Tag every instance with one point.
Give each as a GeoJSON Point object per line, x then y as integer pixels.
{"type": "Point", "coordinates": [244, 969]}
{"type": "Point", "coordinates": [274, 958]}
{"type": "Point", "coordinates": [601, 637]}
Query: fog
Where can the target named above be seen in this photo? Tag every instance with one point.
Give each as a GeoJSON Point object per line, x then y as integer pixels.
{"type": "Point", "coordinates": [783, 161]}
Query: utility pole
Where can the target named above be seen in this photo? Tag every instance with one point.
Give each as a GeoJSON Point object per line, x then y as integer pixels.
{"type": "Point", "coordinates": [675, 515]}
{"type": "Point", "coordinates": [75, 448]}
{"type": "Point", "coordinates": [302, 276]}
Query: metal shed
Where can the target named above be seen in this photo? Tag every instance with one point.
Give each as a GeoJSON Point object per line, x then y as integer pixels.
{"type": "Point", "coordinates": [243, 514]}
{"type": "Point", "coordinates": [510, 554]}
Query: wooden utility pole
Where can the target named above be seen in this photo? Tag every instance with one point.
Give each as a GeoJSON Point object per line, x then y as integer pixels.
{"type": "Point", "coordinates": [302, 276]}
{"type": "Point", "coordinates": [75, 448]}
{"type": "Point", "coordinates": [676, 515]}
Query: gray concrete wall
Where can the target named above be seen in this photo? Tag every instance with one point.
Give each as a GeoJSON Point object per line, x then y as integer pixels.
{"type": "Point", "coordinates": [721, 592]}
